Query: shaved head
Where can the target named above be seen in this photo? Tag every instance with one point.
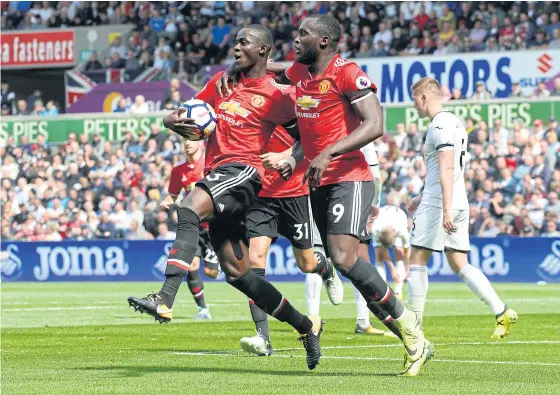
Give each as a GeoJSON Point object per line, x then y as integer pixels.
{"type": "Point", "coordinates": [261, 35]}
{"type": "Point", "coordinates": [327, 26]}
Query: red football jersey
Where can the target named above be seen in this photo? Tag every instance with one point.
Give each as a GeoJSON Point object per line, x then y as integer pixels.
{"type": "Point", "coordinates": [325, 115]}
{"type": "Point", "coordinates": [185, 175]}
{"type": "Point", "coordinates": [245, 119]}
{"type": "Point", "coordinates": [273, 185]}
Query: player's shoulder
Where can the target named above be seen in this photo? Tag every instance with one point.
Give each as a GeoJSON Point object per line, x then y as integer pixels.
{"type": "Point", "coordinates": [276, 90]}
{"type": "Point", "coordinates": [180, 164]}
{"type": "Point", "coordinates": [446, 119]}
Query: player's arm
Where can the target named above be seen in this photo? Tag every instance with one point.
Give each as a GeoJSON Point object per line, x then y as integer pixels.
{"type": "Point", "coordinates": [173, 190]}
{"type": "Point", "coordinates": [446, 164]}
{"type": "Point", "coordinates": [279, 71]}
{"type": "Point", "coordinates": [371, 158]}
{"type": "Point", "coordinates": [169, 200]}
{"type": "Point", "coordinates": [367, 107]}
{"type": "Point", "coordinates": [369, 110]}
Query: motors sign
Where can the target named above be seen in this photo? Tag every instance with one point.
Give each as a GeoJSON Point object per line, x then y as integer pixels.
{"type": "Point", "coordinates": [52, 48]}
{"type": "Point", "coordinates": [498, 70]}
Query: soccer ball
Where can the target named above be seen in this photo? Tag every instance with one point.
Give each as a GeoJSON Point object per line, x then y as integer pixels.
{"type": "Point", "coordinates": [203, 115]}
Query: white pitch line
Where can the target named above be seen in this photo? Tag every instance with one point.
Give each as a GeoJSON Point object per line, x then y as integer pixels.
{"type": "Point", "coordinates": [467, 361]}
{"type": "Point", "coordinates": [225, 302]}
{"type": "Point", "coordinates": [437, 345]}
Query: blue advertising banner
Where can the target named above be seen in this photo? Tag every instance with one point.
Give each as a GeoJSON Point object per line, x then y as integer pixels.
{"type": "Point", "coordinates": [498, 70]}
{"type": "Point", "coordinates": [504, 259]}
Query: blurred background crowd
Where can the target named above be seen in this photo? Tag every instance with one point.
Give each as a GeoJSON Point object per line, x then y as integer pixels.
{"type": "Point", "coordinates": [184, 36]}
{"type": "Point", "coordinates": [89, 188]}
{"type": "Point", "coordinates": [99, 189]}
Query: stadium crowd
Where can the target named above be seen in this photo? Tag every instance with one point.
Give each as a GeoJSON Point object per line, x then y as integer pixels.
{"type": "Point", "coordinates": [89, 189]}
{"type": "Point", "coordinates": [181, 37]}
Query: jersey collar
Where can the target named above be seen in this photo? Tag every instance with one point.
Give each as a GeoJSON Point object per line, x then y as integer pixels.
{"type": "Point", "coordinates": [248, 82]}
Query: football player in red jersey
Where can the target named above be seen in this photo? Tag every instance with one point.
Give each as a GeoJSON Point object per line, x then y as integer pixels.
{"type": "Point", "coordinates": [283, 208]}
{"type": "Point", "coordinates": [338, 113]}
{"type": "Point", "coordinates": [245, 122]}
{"type": "Point", "coordinates": [184, 175]}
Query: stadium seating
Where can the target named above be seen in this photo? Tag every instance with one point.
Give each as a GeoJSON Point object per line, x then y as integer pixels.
{"type": "Point", "coordinates": [95, 189]}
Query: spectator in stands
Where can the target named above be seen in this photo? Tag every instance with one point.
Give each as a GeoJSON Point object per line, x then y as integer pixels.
{"type": "Point", "coordinates": [8, 98]}
{"type": "Point", "coordinates": [22, 108]}
{"type": "Point", "coordinates": [132, 64]}
{"type": "Point", "coordinates": [117, 48]}
{"type": "Point", "coordinates": [122, 105]}
{"type": "Point", "coordinates": [556, 88]}
{"type": "Point", "coordinates": [93, 63]}
{"type": "Point", "coordinates": [541, 91]}
{"type": "Point", "coordinates": [457, 94]}
{"type": "Point", "coordinates": [37, 95]}
{"type": "Point", "coordinates": [540, 41]}
{"type": "Point", "coordinates": [516, 90]}
{"type": "Point", "coordinates": [139, 106]}
{"type": "Point", "coordinates": [481, 93]}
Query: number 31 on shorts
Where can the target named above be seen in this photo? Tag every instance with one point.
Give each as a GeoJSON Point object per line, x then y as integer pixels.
{"type": "Point", "coordinates": [301, 231]}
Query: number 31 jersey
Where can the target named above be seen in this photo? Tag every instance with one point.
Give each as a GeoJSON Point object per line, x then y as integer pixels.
{"type": "Point", "coordinates": [445, 133]}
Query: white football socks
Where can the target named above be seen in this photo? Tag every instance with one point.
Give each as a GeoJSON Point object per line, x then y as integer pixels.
{"type": "Point", "coordinates": [417, 288]}
{"type": "Point", "coordinates": [380, 266]}
{"type": "Point", "coordinates": [401, 271]}
{"type": "Point", "coordinates": [313, 285]}
{"type": "Point", "coordinates": [479, 284]}
{"type": "Point", "coordinates": [362, 310]}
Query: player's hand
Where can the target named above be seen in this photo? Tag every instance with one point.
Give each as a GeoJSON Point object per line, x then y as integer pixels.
{"type": "Point", "coordinates": [165, 204]}
{"type": "Point", "coordinates": [222, 84]}
{"type": "Point", "coordinates": [270, 160]}
{"type": "Point", "coordinates": [374, 212]}
{"type": "Point", "coordinates": [396, 277]}
{"type": "Point", "coordinates": [315, 171]}
{"type": "Point", "coordinates": [413, 205]}
{"type": "Point", "coordinates": [448, 224]}
{"type": "Point", "coordinates": [184, 127]}
{"type": "Point", "coordinates": [285, 169]}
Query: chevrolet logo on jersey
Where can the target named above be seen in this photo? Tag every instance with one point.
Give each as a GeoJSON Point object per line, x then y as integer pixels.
{"type": "Point", "coordinates": [307, 102]}
{"type": "Point", "coordinates": [233, 108]}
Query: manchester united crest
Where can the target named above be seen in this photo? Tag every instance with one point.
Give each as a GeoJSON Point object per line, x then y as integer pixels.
{"type": "Point", "coordinates": [257, 101]}
{"type": "Point", "coordinates": [324, 86]}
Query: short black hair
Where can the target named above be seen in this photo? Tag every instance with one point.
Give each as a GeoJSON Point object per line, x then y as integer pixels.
{"type": "Point", "coordinates": [262, 34]}
{"type": "Point", "coordinates": [327, 25]}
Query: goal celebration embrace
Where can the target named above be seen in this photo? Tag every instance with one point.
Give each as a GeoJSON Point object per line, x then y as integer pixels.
{"type": "Point", "coordinates": [286, 158]}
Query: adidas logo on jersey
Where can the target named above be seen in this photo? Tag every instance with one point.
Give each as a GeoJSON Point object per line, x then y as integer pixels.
{"type": "Point", "coordinates": [340, 62]}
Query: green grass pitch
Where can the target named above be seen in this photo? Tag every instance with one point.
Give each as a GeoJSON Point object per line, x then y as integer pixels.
{"type": "Point", "coordinates": [82, 338]}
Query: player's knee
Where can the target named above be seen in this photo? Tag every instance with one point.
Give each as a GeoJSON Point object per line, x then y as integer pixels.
{"type": "Point", "coordinates": [187, 218]}
{"type": "Point", "coordinates": [210, 273]}
{"type": "Point", "coordinates": [257, 259]}
{"type": "Point", "coordinates": [305, 260]}
{"type": "Point", "coordinates": [343, 259]}
{"type": "Point", "coordinates": [195, 265]}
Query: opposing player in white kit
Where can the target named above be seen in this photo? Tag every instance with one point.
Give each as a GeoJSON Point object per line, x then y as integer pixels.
{"type": "Point", "coordinates": [441, 211]}
{"type": "Point", "coordinates": [390, 230]}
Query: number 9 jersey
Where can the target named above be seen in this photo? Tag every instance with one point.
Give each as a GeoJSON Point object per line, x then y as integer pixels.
{"type": "Point", "coordinates": [445, 133]}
